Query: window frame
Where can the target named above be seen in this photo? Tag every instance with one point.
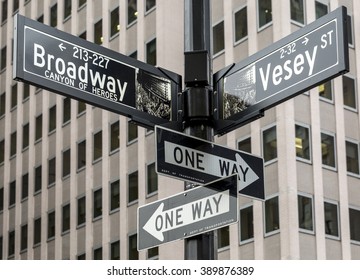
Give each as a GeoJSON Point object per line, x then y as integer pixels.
{"type": "Point", "coordinates": [98, 208]}
{"type": "Point", "coordinates": [336, 203]}
{"type": "Point", "coordinates": [248, 240]}
{"type": "Point", "coordinates": [301, 24]}
{"type": "Point", "coordinates": [304, 230]}
{"type": "Point", "coordinates": [111, 126]}
{"type": "Point", "coordinates": [306, 126]}
{"type": "Point", "coordinates": [357, 175]}
{"type": "Point", "coordinates": [275, 231]}
{"type": "Point", "coordinates": [114, 35]}
{"type": "Point", "coordinates": [275, 159]}
{"type": "Point", "coordinates": [220, 52]}
{"type": "Point", "coordinates": [97, 151]}
{"type": "Point", "coordinates": [147, 54]}
{"type": "Point", "coordinates": [154, 192]}
{"type": "Point", "coordinates": [266, 25]}
{"type": "Point", "coordinates": [133, 201]}
{"type": "Point", "coordinates": [333, 135]}
{"type": "Point", "coordinates": [237, 42]}
{"type": "Point", "coordinates": [354, 208]}
{"type": "Point", "coordinates": [111, 209]}
{"type": "Point", "coordinates": [80, 222]}
{"type": "Point", "coordinates": [347, 107]}
{"type": "Point", "coordinates": [242, 139]}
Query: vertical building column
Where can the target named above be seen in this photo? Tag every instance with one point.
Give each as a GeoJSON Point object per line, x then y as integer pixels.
{"type": "Point", "coordinates": [289, 229]}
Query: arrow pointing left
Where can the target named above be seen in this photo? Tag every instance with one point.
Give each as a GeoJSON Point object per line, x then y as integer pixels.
{"type": "Point", "coordinates": [62, 47]}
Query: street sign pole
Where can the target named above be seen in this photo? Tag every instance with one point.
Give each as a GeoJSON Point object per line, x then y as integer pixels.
{"type": "Point", "coordinates": [197, 108]}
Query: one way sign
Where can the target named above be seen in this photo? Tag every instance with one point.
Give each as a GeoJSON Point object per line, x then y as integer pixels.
{"type": "Point", "coordinates": [195, 160]}
{"type": "Point", "coordinates": [189, 213]}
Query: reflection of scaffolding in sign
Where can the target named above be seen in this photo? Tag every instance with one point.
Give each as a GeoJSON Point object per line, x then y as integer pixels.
{"type": "Point", "coordinates": [239, 91]}
{"type": "Point", "coordinates": [153, 94]}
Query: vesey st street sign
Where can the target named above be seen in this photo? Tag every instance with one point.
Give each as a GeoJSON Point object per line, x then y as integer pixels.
{"type": "Point", "coordinates": [71, 66]}
{"type": "Point", "coordinates": [196, 160]}
{"type": "Point", "coordinates": [298, 62]}
{"type": "Point", "coordinates": [192, 212]}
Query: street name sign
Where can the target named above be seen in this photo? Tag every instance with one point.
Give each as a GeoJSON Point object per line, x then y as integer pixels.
{"type": "Point", "coordinates": [68, 65]}
{"type": "Point", "coordinates": [196, 160]}
{"type": "Point", "coordinates": [190, 213]}
{"type": "Point", "coordinates": [296, 63]}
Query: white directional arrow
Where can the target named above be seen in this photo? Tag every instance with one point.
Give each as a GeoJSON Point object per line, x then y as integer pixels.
{"type": "Point", "coordinates": [62, 47]}
{"type": "Point", "coordinates": [210, 164]}
{"type": "Point", "coordinates": [165, 220]}
{"type": "Point", "coordinates": [306, 40]}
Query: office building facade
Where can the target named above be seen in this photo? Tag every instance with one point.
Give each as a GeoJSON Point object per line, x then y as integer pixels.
{"type": "Point", "coordinates": [72, 175]}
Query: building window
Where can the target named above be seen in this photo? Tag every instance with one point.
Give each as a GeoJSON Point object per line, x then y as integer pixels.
{"type": "Point", "coordinates": [305, 212]}
{"type": "Point", "coordinates": [4, 5]}
{"type": "Point", "coordinates": [264, 12]}
{"type": "Point", "coordinates": [328, 150]}
{"type": "Point", "coordinates": [115, 195]}
{"type": "Point", "coordinates": [52, 118]}
{"type": "Point", "coordinates": [321, 9]}
{"type": "Point", "coordinates": [2, 104]}
{"type": "Point", "coordinates": [352, 157]}
{"type": "Point", "coordinates": [98, 36]}
{"type": "Point", "coordinates": [67, 9]}
{"type": "Point", "coordinates": [53, 16]}
{"type": "Point", "coordinates": [81, 3]}
{"type": "Point", "coordinates": [25, 186]}
{"type": "Point", "coordinates": [67, 110]}
{"type": "Point", "coordinates": [153, 253]}
{"type": "Point", "coordinates": [11, 249]}
{"type": "Point", "coordinates": [13, 144]}
{"type": "Point", "coordinates": [81, 211]}
{"type": "Point", "coordinates": [51, 224]}
{"type": "Point", "coordinates": [26, 91]}
{"type": "Point", "coordinates": [24, 237]}
{"type": "Point", "coordinates": [1, 247]}
{"type": "Point", "coordinates": [38, 175]}
{"type": "Point", "coordinates": [354, 215]}
{"type": "Point", "coordinates": [16, 5]}
{"type": "Point", "coordinates": [297, 10]}
{"type": "Point", "coordinates": [132, 11]}
{"type": "Point", "coordinates": [223, 237]}
{"type": "Point", "coordinates": [115, 250]}
{"type": "Point", "coordinates": [14, 95]}
{"type": "Point", "coordinates": [12, 193]}
{"type": "Point", "coordinates": [25, 136]}
{"type": "Point", "coordinates": [269, 144]}
{"type": "Point", "coordinates": [2, 151]}
{"type": "Point", "coordinates": [97, 152]}
{"type": "Point", "coordinates": [97, 203]}
{"type": "Point", "coordinates": [133, 55]}
{"type": "Point", "coordinates": [81, 106]}
{"type": "Point", "coordinates": [331, 219]}
{"type": "Point", "coordinates": [350, 30]}
{"type": "Point", "coordinates": [66, 163]}
{"type": "Point", "coordinates": [37, 231]}
{"type": "Point", "coordinates": [81, 257]}
{"type": "Point", "coordinates": [114, 22]}
{"type": "Point", "coordinates": [218, 37]}
{"type": "Point", "coordinates": [3, 59]}
{"type": "Point", "coordinates": [149, 4]}
{"type": "Point", "coordinates": [325, 90]}
{"type": "Point", "coordinates": [1, 199]}
{"type": "Point", "coordinates": [132, 132]}
{"type": "Point", "coordinates": [115, 136]}
{"type": "Point", "coordinates": [98, 254]}
{"type": "Point", "coordinates": [81, 154]}
{"type": "Point", "coordinates": [133, 252]}
{"type": "Point", "coordinates": [66, 218]}
{"type": "Point", "coordinates": [246, 224]}
{"type": "Point", "coordinates": [133, 187]}
{"type": "Point", "coordinates": [302, 142]}
{"type": "Point", "coordinates": [349, 92]}
{"type": "Point", "coordinates": [245, 145]}
{"type": "Point", "coordinates": [272, 215]}
{"type": "Point", "coordinates": [38, 128]}
{"type": "Point", "coordinates": [151, 52]}
{"type": "Point", "coordinates": [52, 171]}
{"type": "Point", "coordinates": [152, 179]}
{"type": "Point", "coordinates": [241, 29]}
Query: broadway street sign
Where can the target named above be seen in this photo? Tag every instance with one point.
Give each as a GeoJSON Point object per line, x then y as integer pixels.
{"type": "Point", "coordinates": [298, 62]}
{"type": "Point", "coordinates": [189, 213]}
{"type": "Point", "coordinates": [71, 66]}
{"type": "Point", "coordinates": [193, 159]}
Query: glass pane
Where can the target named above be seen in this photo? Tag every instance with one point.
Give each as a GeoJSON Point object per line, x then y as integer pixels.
{"type": "Point", "coordinates": [218, 37]}
{"type": "Point", "coordinates": [269, 144]}
{"type": "Point", "coordinates": [305, 213]}
{"type": "Point", "coordinates": [241, 24]}
{"type": "Point", "coordinates": [272, 214]}
{"type": "Point", "coordinates": [297, 10]}
{"type": "Point", "coordinates": [331, 219]}
{"type": "Point", "coordinates": [328, 149]}
{"type": "Point", "coordinates": [265, 12]}
{"type": "Point", "coordinates": [246, 223]}
{"type": "Point", "coordinates": [302, 142]}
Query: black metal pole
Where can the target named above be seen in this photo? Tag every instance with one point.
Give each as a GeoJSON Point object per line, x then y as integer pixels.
{"type": "Point", "coordinates": [197, 100]}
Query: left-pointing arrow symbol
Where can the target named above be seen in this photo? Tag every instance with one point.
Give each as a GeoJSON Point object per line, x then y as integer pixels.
{"type": "Point", "coordinates": [62, 47]}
